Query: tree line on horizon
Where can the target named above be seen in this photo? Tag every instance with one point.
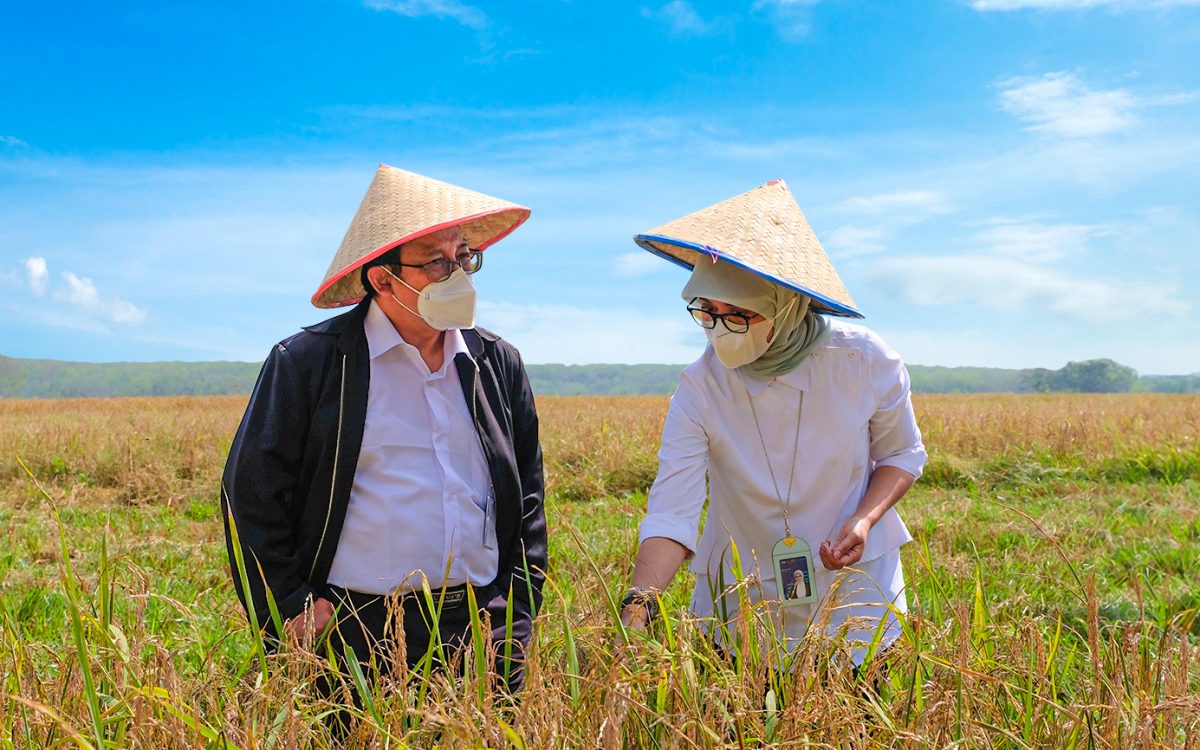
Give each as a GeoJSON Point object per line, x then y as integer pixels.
{"type": "Point", "coordinates": [30, 378]}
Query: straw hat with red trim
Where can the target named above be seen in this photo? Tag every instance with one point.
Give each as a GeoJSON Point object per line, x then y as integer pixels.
{"type": "Point", "coordinates": [401, 206]}
{"type": "Point", "coordinates": [764, 232]}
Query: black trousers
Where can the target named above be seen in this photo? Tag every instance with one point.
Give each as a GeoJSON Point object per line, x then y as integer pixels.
{"type": "Point", "coordinates": [378, 629]}
{"type": "Point", "coordinates": [381, 628]}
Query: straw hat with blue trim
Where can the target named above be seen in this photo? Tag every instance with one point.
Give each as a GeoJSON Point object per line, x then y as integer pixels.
{"type": "Point", "coordinates": [764, 232]}
{"type": "Point", "coordinates": [401, 206]}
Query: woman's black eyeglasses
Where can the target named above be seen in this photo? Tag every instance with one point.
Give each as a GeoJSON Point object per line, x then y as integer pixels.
{"type": "Point", "coordinates": [439, 269]}
{"type": "Point", "coordinates": [733, 322]}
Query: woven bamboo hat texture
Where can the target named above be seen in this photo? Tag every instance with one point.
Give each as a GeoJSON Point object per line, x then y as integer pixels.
{"type": "Point", "coordinates": [764, 232]}
{"type": "Point", "coordinates": [401, 206]}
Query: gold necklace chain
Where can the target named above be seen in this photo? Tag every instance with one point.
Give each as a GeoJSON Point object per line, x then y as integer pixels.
{"type": "Point", "coordinates": [787, 529]}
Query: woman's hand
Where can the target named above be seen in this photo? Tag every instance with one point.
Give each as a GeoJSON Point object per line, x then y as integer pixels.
{"type": "Point", "coordinates": [848, 547]}
{"type": "Point", "coordinates": [636, 618]}
{"type": "Point", "coordinates": [886, 486]}
{"type": "Point", "coordinates": [658, 560]}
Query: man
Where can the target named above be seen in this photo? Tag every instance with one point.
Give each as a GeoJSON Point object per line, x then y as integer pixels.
{"type": "Point", "coordinates": [395, 447]}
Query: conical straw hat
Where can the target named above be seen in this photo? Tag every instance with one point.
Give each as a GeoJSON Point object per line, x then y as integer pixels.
{"type": "Point", "coordinates": [762, 231]}
{"type": "Point", "coordinates": [401, 206]}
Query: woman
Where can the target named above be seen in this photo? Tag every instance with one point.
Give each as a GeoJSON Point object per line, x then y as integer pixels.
{"type": "Point", "coordinates": [803, 428]}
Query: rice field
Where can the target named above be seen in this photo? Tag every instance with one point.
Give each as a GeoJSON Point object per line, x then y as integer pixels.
{"type": "Point", "coordinates": [1053, 595]}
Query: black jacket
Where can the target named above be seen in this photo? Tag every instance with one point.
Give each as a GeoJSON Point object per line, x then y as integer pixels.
{"type": "Point", "coordinates": [287, 481]}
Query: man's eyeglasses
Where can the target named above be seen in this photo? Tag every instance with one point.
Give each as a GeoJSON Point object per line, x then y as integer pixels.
{"type": "Point", "coordinates": [439, 269]}
{"type": "Point", "coordinates": [733, 322]}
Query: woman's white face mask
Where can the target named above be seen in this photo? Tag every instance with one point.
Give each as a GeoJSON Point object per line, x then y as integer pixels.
{"type": "Point", "coordinates": [445, 304]}
{"type": "Point", "coordinates": [738, 349]}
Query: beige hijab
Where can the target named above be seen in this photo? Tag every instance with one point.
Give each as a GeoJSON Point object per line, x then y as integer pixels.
{"type": "Point", "coordinates": [798, 330]}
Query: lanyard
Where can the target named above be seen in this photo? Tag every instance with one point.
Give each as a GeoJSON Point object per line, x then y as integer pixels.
{"type": "Point", "coordinates": [787, 529]}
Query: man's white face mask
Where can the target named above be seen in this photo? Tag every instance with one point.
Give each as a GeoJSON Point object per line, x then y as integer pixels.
{"type": "Point", "coordinates": [446, 304]}
{"type": "Point", "coordinates": [738, 349]}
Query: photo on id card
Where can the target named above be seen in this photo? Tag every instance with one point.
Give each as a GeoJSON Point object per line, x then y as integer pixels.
{"type": "Point", "coordinates": [795, 572]}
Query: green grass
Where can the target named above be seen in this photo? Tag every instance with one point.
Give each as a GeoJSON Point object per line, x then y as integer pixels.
{"type": "Point", "coordinates": [984, 583]}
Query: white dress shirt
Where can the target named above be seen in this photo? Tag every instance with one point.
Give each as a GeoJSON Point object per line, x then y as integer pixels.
{"type": "Point", "coordinates": [422, 501]}
{"type": "Point", "coordinates": [856, 415]}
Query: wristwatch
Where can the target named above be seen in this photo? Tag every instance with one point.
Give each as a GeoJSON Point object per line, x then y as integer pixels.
{"type": "Point", "coordinates": [642, 597]}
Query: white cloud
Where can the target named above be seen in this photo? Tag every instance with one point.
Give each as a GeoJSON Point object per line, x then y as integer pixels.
{"type": "Point", "coordinates": [467, 15]}
{"type": "Point", "coordinates": [683, 20]}
{"type": "Point", "coordinates": [850, 241]}
{"type": "Point", "coordinates": [792, 19]}
{"type": "Point", "coordinates": [1007, 5]}
{"type": "Point", "coordinates": [565, 334]}
{"type": "Point", "coordinates": [59, 318]}
{"type": "Point", "coordinates": [1060, 104]}
{"type": "Point", "coordinates": [1034, 242]}
{"type": "Point", "coordinates": [630, 265]}
{"type": "Point", "coordinates": [926, 201]}
{"type": "Point", "coordinates": [1169, 100]}
{"type": "Point", "coordinates": [888, 213]}
{"type": "Point", "coordinates": [1013, 285]}
{"type": "Point", "coordinates": [35, 271]}
{"type": "Point", "coordinates": [81, 292]}
{"type": "Point", "coordinates": [12, 141]}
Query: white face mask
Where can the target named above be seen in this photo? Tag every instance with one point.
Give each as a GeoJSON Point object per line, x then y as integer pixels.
{"type": "Point", "coordinates": [737, 349]}
{"type": "Point", "coordinates": [445, 304]}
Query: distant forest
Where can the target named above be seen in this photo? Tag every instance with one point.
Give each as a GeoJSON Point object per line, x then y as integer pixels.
{"type": "Point", "coordinates": [37, 378]}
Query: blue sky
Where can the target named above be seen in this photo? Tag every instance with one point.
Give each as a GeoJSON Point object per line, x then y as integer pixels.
{"type": "Point", "coordinates": [1010, 183]}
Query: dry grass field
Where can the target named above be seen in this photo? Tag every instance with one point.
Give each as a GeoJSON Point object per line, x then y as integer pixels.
{"type": "Point", "coordinates": [1053, 592]}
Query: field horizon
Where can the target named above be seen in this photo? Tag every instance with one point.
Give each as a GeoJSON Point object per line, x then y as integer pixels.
{"type": "Point", "coordinates": [37, 378]}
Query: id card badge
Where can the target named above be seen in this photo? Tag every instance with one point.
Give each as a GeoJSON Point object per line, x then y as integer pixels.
{"type": "Point", "coordinates": [489, 521]}
{"type": "Point", "coordinates": [795, 573]}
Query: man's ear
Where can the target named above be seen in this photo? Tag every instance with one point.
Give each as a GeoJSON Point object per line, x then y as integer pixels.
{"type": "Point", "coordinates": [379, 279]}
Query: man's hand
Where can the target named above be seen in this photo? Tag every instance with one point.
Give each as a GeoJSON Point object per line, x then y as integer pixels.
{"type": "Point", "coordinates": [306, 627]}
{"type": "Point", "coordinates": [848, 548]}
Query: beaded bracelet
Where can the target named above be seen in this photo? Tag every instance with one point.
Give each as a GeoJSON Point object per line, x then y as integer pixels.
{"type": "Point", "coordinates": [642, 597]}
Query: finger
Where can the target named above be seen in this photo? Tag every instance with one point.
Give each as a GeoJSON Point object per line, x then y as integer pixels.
{"type": "Point", "coordinates": [827, 557]}
{"type": "Point", "coordinates": [838, 546]}
{"type": "Point", "coordinates": [296, 630]}
{"type": "Point", "coordinates": [846, 542]}
{"type": "Point", "coordinates": [852, 555]}
{"type": "Point", "coordinates": [297, 624]}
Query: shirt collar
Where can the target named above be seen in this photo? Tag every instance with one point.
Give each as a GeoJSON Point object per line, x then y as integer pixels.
{"type": "Point", "coordinates": [382, 337]}
{"type": "Point", "coordinates": [797, 379]}
{"type": "Point", "coordinates": [455, 344]}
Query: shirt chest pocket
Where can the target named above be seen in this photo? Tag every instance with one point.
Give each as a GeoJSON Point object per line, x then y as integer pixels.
{"type": "Point", "coordinates": [394, 456]}
{"type": "Point", "coordinates": [392, 421]}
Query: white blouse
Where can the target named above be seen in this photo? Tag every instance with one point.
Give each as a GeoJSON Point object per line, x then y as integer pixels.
{"type": "Point", "coordinates": [855, 415]}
